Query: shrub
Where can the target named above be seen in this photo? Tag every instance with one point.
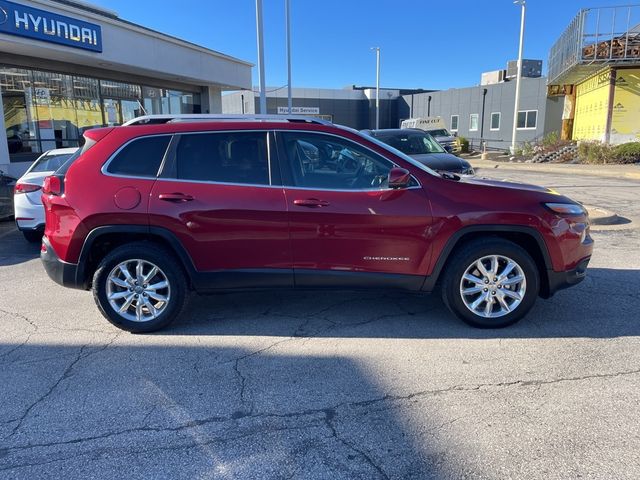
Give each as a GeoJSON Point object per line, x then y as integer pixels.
{"type": "Point", "coordinates": [627, 152]}
{"type": "Point", "coordinates": [551, 139]}
{"type": "Point", "coordinates": [595, 152]}
{"type": "Point", "coordinates": [462, 145]}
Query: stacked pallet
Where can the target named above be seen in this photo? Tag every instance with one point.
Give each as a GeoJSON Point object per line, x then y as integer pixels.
{"type": "Point", "coordinates": [617, 48]}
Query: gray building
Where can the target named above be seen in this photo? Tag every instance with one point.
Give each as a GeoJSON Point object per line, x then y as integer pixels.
{"type": "Point", "coordinates": [351, 106]}
{"type": "Point", "coordinates": [486, 112]}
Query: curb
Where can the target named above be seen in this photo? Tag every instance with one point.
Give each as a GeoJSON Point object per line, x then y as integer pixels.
{"type": "Point", "coordinates": [612, 171]}
{"type": "Point", "coordinates": [601, 216]}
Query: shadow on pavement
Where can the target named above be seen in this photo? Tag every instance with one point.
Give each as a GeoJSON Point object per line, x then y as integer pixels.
{"type": "Point", "coordinates": [192, 412]}
{"type": "Point", "coordinates": [604, 305]}
{"type": "Point", "coordinates": [14, 248]}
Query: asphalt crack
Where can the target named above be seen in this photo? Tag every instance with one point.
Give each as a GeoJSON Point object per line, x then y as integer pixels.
{"type": "Point", "coordinates": [65, 374]}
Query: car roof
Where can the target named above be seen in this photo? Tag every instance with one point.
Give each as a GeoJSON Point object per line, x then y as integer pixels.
{"type": "Point", "coordinates": [394, 131]}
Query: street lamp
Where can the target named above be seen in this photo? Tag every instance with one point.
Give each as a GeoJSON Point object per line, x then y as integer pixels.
{"type": "Point", "coordinates": [263, 94]}
{"type": "Point", "coordinates": [523, 5]}
{"type": "Point", "coordinates": [288, 21]}
{"type": "Point", "coordinates": [377, 49]}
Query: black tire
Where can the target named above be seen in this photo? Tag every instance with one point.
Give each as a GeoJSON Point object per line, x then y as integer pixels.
{"type": "Point", "coordinates": [32, 236]}
{"type": "Point", "coordinates": [157, 255]}
{"type": "Point", "coordinates": [473, 251]}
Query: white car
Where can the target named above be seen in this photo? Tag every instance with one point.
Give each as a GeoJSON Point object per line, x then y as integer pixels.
{"type": "Point", "coordinates": [28, 208]}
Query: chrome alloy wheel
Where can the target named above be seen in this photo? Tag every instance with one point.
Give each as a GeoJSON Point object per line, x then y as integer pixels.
{"type": "Point", "coordinates": [493, 286]}
{"type": "Point", "coordinates": [138, 290]}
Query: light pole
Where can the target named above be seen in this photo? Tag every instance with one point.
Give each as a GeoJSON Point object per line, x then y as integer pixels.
{"type": "Point", "coordinates": [263, 95]}
{"type": "Point", "coordinates": [287, 5]}
{"type": "Point", "coordinates": [523, 5]}
{"type": "Point", "coordinates": [377, 49]}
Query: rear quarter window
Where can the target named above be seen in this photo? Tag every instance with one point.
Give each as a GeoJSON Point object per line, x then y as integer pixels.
{"type": "Point", "coordinates": [140, 157]}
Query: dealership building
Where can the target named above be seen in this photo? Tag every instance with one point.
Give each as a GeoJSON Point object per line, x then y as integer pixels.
{"type": "Point", "coordinates": [67, 66]}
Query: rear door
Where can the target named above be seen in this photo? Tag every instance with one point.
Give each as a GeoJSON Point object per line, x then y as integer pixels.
{"type": "Point", "coordinates": [347, 227]}
{"type": "Point", "coordinates": [220, 195]}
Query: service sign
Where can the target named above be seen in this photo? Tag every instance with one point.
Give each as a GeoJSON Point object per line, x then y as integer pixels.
{"type": "Point", "coordinates": [299, 110]}
{"type": "Point", "coordinates": [23, 21]}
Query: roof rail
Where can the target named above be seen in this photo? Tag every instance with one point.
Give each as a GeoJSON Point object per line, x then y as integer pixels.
{"type": "Point", "coordinates": [222, 117]}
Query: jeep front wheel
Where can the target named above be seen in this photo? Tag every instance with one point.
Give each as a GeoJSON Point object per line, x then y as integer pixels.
{"type": "Point", "coordinates": [491, 283]}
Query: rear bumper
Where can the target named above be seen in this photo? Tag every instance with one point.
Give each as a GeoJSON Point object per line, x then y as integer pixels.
{"type": "Point", "coordinates": [29, 216]}
{"type": "Point", "coordinates": [566, 279]}
{"type": "Point", "coordinates": [63, 273]}
{"type": "Point", "coordinates": [30, 228]}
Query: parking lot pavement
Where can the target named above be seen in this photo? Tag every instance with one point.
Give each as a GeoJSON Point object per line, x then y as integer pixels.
{"type": "Point", "coordinates": [327, 384]}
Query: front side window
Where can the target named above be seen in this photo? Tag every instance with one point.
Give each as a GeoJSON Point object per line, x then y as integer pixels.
{"type": "Point", "coordinates": [454, 123]}
{"type": "Point", "coordinates": [235, 157]}
{"type": "Point", "coordinates": [528, 119]}
{"type": "Point", "coordinates": [141, 157]}
{"type": "Point", "coordinates": [495, 121]}
{"type": "Point", "coordinates": [331, 163]}
{"type": "Point", "coordinates": [473, 122]}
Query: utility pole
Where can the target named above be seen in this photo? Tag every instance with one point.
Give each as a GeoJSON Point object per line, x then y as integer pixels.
{"type": "Point", "coordinates": [288, 21]}
{"type": "Point", "coordinates": [523, 5]}
{"type": "Point", "coordinates": [261, 85]}
{"type": "Point", "coordinates": [377, 49]}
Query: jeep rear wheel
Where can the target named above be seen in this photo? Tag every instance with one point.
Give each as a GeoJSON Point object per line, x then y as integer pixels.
{"type": "Point", "coordinates": [491, 283]}
{"type": "Point", "coordinates": [139, 287]}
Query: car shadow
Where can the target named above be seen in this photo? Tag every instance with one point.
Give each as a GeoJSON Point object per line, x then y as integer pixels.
{"type": "Point", "coordinates": [604, 305]}
{"type": "Point", "coordinates": [14, 249]}
{"type": "Point", "coordinates": [206, 412]}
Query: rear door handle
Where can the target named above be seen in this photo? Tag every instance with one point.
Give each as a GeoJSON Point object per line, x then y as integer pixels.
{"type": "Point", "coordinates": [175, 197]}
{"type": "Point", "coordinates": [311, 202]}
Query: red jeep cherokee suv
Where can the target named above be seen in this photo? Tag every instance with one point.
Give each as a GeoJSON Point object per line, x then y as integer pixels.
{"type": "Point", "coordinates": [144, 213]}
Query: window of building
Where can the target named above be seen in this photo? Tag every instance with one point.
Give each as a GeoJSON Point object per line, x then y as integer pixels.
{"type": "Point", "coordinates": [45, 110]}
{"type": "Point", "coordinates": [329, 163]}
{"type": "Point", "coordinates": [527, 119]}
{"type": "Point", "coordinates": [223, 157]}
{"type": "Point", "coordinates": [473, 122]}
{"type": "Point", "coordinates": [141, 157]}
{"type": "Point", "coordinates": [495, 121]}
{"type": "Point", "coordinates": [454, 123]}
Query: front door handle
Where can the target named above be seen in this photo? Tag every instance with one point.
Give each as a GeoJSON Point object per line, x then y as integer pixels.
{"type": "Point", "coordinates": [175, 197]}
{"type": "Point", "coordinates": [311, 202]}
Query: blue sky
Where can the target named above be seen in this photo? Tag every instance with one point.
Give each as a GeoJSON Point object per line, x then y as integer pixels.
{"type": "Point", "coordinates": [425, 43]}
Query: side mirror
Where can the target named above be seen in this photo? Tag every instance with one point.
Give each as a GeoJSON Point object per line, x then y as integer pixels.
{"type": "Point", "coordinates": [399, 178]}
{"type": "Point", "coordinates": [448, 148]}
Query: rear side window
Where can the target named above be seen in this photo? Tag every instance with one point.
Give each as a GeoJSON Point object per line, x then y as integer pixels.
{"type": "Point", "coordinates": [140, 157]}
{"type": "Point", "coordinates": [223, 157]}
{"type": "Point", "coordinates": [50, 163]}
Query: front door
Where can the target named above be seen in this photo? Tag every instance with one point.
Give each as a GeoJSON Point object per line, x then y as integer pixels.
{"type": "Point", "coordinates": [220, 197]}
{"type": "Point", "coordinates": [347, 227]}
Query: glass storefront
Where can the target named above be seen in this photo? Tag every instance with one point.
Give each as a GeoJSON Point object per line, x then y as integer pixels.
{"type": "Point", "coordinates": [45, 110]}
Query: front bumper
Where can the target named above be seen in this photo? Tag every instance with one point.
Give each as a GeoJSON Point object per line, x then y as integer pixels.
{"type": "Point", "coordinates": [63, 273]}
{"type": "Point", "coordinates": [566, 279]}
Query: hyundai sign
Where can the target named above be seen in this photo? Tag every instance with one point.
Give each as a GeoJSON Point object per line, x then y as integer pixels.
{"type": "Point", "coordinates": [49, 27]}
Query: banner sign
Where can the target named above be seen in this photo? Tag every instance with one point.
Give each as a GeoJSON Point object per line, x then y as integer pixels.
{"type": "Point", "coordinates": [23, 21]}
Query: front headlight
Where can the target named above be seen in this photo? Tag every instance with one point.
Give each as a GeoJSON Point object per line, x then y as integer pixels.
{"type": "Point", "coordinates": [566, 208]}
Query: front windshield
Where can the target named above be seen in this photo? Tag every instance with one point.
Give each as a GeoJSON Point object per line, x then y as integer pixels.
{"type": "Point", "coordinates": [392, 150]}
{"type": "Point", "coordinates": [439, 133]}
{"type": "Point", "coordinates": [412, 143]}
